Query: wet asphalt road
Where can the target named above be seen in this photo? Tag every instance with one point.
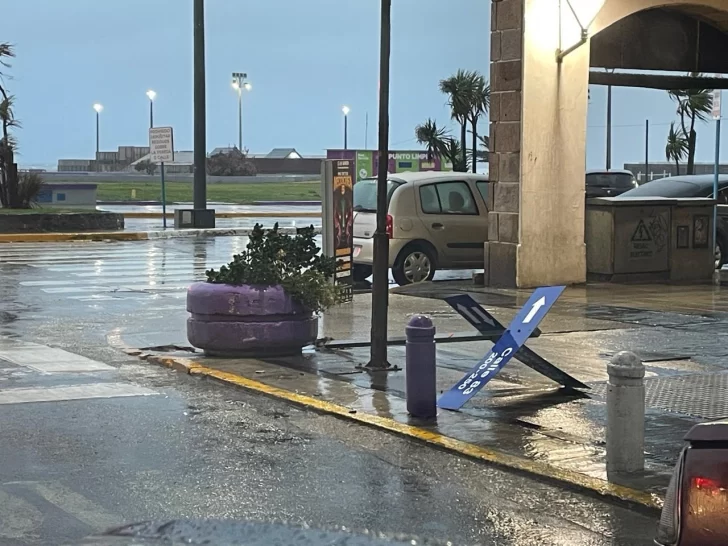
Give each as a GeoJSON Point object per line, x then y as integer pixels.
{"type": "Point", "coordinates": [189, 448]}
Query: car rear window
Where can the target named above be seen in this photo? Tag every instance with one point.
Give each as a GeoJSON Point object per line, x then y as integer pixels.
{"type": "Point", "coordinates": [611, 180]}
{"type": "Point", "coordinates": [665, 188]}
{"type": "Point", "coordinates": [365, 194]}
{"type": "Point", "coordinates": [447, 198]}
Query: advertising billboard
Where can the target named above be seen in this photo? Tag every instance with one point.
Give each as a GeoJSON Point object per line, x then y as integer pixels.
{"type": "Point", "coordinates": [367, 161]}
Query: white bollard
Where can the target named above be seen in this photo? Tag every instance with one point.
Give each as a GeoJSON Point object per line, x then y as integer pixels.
{"type": "Point", "coordinates": [626, 413]}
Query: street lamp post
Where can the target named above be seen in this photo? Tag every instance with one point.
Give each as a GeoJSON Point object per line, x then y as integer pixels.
{"type": "Point", "coordinates": [199, 191]}
{"type": "Point", "coordinates": [380, 284]}
{"type": "Point", "coordinates": [240, 83]}
{"type": "Point", "coordinates": [151, 94]}
{"type": "Point", "coordinates": [346, 111]}
{"type": "Point", "coordinates": [98, 107]}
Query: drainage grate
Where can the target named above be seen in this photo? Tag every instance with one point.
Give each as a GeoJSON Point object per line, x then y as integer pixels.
{"type": "Point", "coordinates": [704, 395]}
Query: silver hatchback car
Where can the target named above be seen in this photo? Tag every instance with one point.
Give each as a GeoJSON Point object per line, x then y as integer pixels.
{"type": "Point", "coordinates": [435, 220]}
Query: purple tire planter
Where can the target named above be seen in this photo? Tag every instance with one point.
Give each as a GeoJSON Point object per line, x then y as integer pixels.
{"type": "Point", "coordinates": [228, 320]}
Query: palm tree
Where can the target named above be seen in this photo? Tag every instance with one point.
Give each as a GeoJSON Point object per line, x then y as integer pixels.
{"type": "Point", "coordinates": [8, 174]}
{"type": "Point", "coordinates": [692, 105]}
{"type": "Point", "coordinates": [481, 153]}
{"type": "Point", "coordinates": [677, 146]}
{"type": "Point", "coordinates": [432, 137]}
{"type": "Point", "coordinates": [460, 90]}
{"type": "Point", "coordinates": [456, 155]}
{"type": "Point", "coordinates": [479, 106]}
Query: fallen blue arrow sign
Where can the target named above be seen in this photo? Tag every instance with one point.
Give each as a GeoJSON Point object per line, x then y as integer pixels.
{"type": "Point", "coordinates": [489, 324]}
{"type": "Point", "coordinates": [505, 348]}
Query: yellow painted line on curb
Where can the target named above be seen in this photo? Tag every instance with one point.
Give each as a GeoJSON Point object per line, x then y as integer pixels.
{"type": "Point", "coordinates": [55, 237]}
{"type": "Point", "coordinates": [266, 214]}
{"type": "Point", "coordinates": [493, 456]}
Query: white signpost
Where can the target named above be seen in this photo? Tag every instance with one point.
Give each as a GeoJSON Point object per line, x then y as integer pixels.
{"type": "Point", "coordinates": [717, 99]}
{"type": "Point", "coordinates": [161, 149]}
{"type": "Point", "coordinates": [716, 113]}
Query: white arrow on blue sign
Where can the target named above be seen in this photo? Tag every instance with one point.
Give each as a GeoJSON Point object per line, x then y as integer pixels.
{"type": "Point", "coordinates": [520, 329]}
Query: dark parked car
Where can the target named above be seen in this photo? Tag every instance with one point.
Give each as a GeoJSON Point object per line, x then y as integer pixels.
{"type": "Point", "coordinates": [692, 186]}
{"type": "Point", "coordinates": [609, 183]}
{"type": "Point", "coordinates": [696, 502]}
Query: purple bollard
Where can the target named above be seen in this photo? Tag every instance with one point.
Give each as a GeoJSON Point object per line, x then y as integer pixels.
{"type": "Point", "coordinates": [421, 368]}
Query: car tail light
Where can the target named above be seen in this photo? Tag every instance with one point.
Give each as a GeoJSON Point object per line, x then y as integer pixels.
{"type": "Point", "coordinates": [695, 510]}
{"type": "Point", "coordinates": [390, 226]}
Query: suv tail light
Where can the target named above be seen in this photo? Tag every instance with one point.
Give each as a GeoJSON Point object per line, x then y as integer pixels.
{"type": "Point", "coordinates": [390, 226]}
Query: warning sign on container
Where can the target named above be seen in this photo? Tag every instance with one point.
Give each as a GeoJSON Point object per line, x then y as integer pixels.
{"type": "Point", "coordinates": [643, 245]}
{"type": "Point", "coordinates": [641, 234]}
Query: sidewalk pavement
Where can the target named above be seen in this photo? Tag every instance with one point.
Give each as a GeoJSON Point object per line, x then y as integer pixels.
{"type": "Point", "coordinates": [521, 420]}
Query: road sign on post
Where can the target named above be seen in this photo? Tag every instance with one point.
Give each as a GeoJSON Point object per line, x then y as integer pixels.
{"type": "Point", "coordinates": [505, 348]}
{"type": "Point", "coordinates": [161, 150]}
{"type": "Point", "coordinates": [717, 100]}
{"type": "Point", "coordinates": [161, 145]}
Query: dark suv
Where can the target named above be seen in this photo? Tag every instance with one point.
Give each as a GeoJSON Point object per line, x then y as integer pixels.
{"type": "Point", "coordinates": [609, 183]}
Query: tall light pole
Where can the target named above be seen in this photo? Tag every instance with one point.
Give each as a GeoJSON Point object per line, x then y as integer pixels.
{"type": "Point", "coordinates": [380, 284]}
{"type": "Point", "coordinates": [98, 107]}
{"type": "Point", "coordinates": [240, 84]}
{"type": "Point", "coordinates": [199, 192]}
{"type": "Point", "coordinates": [609, 127]}
{"type": "Point", "coordinates": [346, 111]}
{"type": "Point", "coordinates": [152, 95]}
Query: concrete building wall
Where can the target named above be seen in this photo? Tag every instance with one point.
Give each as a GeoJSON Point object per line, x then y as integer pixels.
{"type": "Point", "coordinates": [538, 137]}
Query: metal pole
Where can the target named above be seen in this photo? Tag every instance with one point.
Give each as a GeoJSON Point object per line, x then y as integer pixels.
{"type": "Point", "coordinates": [716, 179]}
{"type": "Point", "coordinates": [164, 199]}
{"type": "Point", "coordinates": [366, 131]}
{"type": "Point", "coordinates": [98, 167]}
{"type": "Point", "coordinates": [647, 149]}
{"type": "Point", "coordinates": [200, 154]}
{"type": "Point", "coordinates": [151, 113]}
{"type": "Point", "coordinates": [240, 118]}
{"type": "Point", "coordinates": [380, 285]}
{"type": "Point", "coordinates": [421, 368]}
{"type": "Point", "coordinates": [346, 132]}
{"type": "Point", "coordinates": [609, 127]}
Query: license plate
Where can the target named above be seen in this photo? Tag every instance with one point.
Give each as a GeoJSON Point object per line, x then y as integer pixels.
{"type": "Point", "coordinates": [357, 251]}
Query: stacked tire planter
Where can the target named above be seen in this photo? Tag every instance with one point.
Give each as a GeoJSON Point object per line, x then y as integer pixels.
{"type": "Point", "coordinates": [247, 321]}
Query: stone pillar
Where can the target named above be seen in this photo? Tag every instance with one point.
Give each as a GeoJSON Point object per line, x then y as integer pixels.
{"type": "Point", "coordinates": [506, 67]}
{"type": "Point", "coordinates": [538, 149]}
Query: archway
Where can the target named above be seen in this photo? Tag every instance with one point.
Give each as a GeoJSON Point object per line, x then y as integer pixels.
{"type": "Point", "coordinates": [538, 117]}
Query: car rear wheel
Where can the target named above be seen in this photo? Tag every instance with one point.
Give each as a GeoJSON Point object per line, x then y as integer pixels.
{"type": "Point", "coordinates": [414, 264]}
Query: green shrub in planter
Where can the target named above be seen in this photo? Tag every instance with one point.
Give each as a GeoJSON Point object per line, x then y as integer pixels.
{"type": "Point", "coordinates": [294, 262]}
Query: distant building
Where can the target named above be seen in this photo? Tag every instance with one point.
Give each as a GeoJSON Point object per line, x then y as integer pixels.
{"type": "Point", "coordinates": [105, 161]}
{"type": "Point", "coordinates": [275, 153]}
{"type": "Point", "coordinates": [665, 169]}
{"type": "Point", "coordinates": [283, 153]}
{"type": "Point", "coordinates": [367, 161]}
{"type": "Point", "coordinates": [126, 158]}
{"type": "Point", "coordinates": [75, 165]}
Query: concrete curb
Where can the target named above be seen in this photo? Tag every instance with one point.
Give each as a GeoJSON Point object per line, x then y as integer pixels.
{"type": "Point", "coordinates": [266, 214]}
{"type": "Point", "coordinates": [130, 235]}
{"type": "Point", "coordinates": [571, 479]}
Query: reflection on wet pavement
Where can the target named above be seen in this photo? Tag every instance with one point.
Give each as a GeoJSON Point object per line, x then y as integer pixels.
{"type": "Point", "coordinates": [677, 330]}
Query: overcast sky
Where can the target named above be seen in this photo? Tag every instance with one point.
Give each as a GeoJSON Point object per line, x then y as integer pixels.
{"type": "Point", "coordinates": [304, 59]}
